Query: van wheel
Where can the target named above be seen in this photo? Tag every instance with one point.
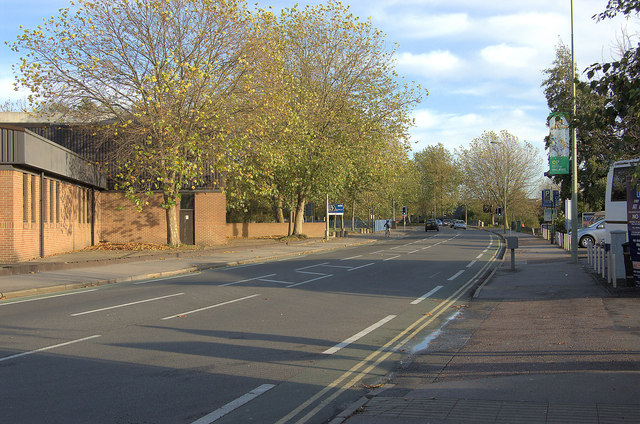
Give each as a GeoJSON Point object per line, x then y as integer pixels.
{"type": "Point", "coordinates": [586, 241]}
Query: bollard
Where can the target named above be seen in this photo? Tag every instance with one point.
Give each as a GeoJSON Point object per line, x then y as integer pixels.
{"type": "Point", "coordinates": [604, 264]}
{"type": "Point", "coordinates": [589, 249]}
{"type": "Point", "coordinates": [512, 243]}
{"type": "Point", "coordinates": [614, 276]}
{"type": "Point", "coordinates": [609, 274]}
{"type": "Point", "coordinates": [596, 259]}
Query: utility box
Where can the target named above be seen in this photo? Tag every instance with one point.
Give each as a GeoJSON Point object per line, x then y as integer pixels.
{"type": "Point", "coordinates": [512, 242]}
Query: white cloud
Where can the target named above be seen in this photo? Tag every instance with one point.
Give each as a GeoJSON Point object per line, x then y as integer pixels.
{"type": "Point", "coordinates": [7, 91]}
{"type": "Point", "coordinates": [427, 64]}
{"type": "Point", "coordinates": [420, 26]}
{"type": "Point", "coordinates": [456, 130]}
{"type": "Point", "coordinates": [508, 56]}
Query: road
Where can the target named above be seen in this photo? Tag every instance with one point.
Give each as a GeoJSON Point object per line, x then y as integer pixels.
{"type": "Point", "coordinates": [286, 341]}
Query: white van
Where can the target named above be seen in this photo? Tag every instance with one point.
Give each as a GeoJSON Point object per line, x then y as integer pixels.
{"type": "Point", "coordinates": [616, 200]}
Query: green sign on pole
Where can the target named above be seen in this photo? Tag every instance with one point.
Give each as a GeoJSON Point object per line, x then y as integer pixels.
{"type": "Point", "coordinates": [559, 150]}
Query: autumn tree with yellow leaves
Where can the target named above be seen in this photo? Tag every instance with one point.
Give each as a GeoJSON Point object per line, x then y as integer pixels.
{"type": "Point", "coordinates": [163, 78]}
{"type": "Point", "coordinates": [289, 106]}
{"type": "Point", "coordinates": [329, 112]}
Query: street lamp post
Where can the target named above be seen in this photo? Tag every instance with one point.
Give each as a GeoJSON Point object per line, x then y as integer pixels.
{"type": "Point", "coordinates": [504, 209]}
{"type": "Point", "coordinates": [574, 158]}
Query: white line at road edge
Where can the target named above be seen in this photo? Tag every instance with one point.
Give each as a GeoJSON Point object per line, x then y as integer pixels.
{"type": "Point", "coordinates": [210, 307]}
{"type": "Point", "coordinates": [424, 296]}
{"type": "Point", "coordinates": [42, 349]}
{"type": "Point", "coordinates": [9, 302]}
{"type": "Point", "coordinates": [235, 404]}
{"type": "Point", "coordinates": [358, 336]}
{"type": "Point", "coordinates": [166, 278]}
{"type": "Point", "coordinates": [125, 304]}
{"type": "Point", "coordinates": [456, 275]}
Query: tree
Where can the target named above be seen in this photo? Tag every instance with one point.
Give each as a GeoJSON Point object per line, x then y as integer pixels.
{"type": "Point", "coordinates": [497, 165]}
{"type": "Point", "coordinates": [594, 142]}
{"type": "Point", "coordinates": [163, 79]}
{"type": "Point", "coordinates": [326, 98]}
{"type": "Point", "coordinates": [619, 86]}
{"type": "Point", "coordinates": [439, 178]}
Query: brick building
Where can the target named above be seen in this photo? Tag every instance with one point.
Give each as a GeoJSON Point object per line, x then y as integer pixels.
{"type": "Point", "coordinates": [53, 198]}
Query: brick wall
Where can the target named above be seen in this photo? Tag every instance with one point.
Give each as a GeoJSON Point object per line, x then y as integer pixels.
{"type": "Point", "coordinates": [20, 237]}
{"type": "Point", "coordinates": [121, 222]}
{"type": "Point", "coordinates": [8, 220]}
{"type": "Point", "coordinates": [210, 216]}
{"type": "Point", "coordinates": [255, 230]}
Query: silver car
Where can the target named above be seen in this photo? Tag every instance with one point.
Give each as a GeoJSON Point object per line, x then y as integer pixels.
{"type": "Point", "coordinates": [460, 224]}
{"type": "Point", "coordinates": [592, 234]}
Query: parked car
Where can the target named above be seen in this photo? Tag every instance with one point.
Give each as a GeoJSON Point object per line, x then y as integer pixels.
{"type": "Point", "coordinates": [439, 222]}
{"type": "Point", "coordinates": [460, 225]}
{"type": "Point", "coordinates": [431, 224]}
{"type": "Point", "coordinates": [592, 234]}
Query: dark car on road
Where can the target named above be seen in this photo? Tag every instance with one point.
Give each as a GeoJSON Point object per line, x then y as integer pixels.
{"type": "Point", "coordinates": [431, 224]}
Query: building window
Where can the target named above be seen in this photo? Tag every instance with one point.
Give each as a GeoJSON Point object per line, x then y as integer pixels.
{"type": "Point", "coordinates": [80, 205]}
{"type": "Point", "coordinates": [25, 198]}
{"type": "Point", "coordinates": [45, 204]}
{"type": "Point", "coordinates": [57, 201]}
{"type": "Point", "coordinates": [89, 206]}
{"type": "Point", "coordinates": [33, 199]}
{"type": "Point", "coordinates": [52, 201]}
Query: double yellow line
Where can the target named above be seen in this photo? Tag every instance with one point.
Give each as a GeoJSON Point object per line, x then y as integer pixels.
{"type": "Point", "coordinates": [353, 375]}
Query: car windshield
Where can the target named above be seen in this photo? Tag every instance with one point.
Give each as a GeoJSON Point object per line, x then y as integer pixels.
{"type": "Point", "coordinates": [595, 224]}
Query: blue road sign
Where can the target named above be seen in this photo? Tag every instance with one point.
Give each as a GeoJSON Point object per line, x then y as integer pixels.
{"type": "Point", "coordinates": [336, 209]}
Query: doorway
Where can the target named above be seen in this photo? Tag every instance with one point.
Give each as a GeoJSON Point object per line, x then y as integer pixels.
{"type": "Point", "coordinates": [187, 223]}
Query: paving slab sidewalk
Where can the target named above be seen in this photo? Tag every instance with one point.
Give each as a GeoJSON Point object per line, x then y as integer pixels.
{"type": "Point", "coordinates": [543, 344]}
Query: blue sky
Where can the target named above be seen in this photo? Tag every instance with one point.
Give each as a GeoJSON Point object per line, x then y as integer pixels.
{"type": "Point", "coordinates": [481, 61]}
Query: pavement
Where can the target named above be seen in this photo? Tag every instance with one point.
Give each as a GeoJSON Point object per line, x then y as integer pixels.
{"type": "Point", "coordinates": [546, 343]}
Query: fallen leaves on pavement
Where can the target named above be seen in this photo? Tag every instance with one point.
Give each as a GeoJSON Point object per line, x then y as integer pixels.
{"type": "Point", "coordinates": [128, 246]}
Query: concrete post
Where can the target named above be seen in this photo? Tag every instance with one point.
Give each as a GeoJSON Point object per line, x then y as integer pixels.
{"type": "Point", "coordinates": [613, 279]}
{"type": "Point", "coordinates": [617, 239]}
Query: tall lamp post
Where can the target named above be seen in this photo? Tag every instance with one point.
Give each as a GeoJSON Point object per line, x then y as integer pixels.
{"type": "Point", "coordinates": [574, 158]}
{"type": "Point", "coordinates": [504, 209]}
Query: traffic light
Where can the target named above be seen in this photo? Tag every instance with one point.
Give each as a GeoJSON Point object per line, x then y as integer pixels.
{"type": "Point", "coordinates": [499, 211]}
{"type": "Point", "coordinates": [404, 211]}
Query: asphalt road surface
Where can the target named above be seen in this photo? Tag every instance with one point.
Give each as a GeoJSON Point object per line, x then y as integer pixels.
{"type": "Point", "coordinates": [290, 341]}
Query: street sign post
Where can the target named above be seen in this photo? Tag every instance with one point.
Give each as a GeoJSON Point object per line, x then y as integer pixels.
{"type": "Point", "coordinates": [336, 209]}
{"type": "Point", "coordinates": [404, 216]}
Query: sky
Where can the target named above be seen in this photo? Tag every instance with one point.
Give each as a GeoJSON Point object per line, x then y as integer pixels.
{"type": "Point", "coordinates": [481, 61]}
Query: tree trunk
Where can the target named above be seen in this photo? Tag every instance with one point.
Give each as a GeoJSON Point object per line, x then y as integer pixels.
{"type": "Point", "coordinates": [278, 212]}
{"type": "Point", "coordinates": [173, 227]}
{"type": "Point", "coordinates": [299, 215]}
{"type": "Point", "coordinates": [353, 216]}
{"type": "Point", "coordinates": [290, 222]}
